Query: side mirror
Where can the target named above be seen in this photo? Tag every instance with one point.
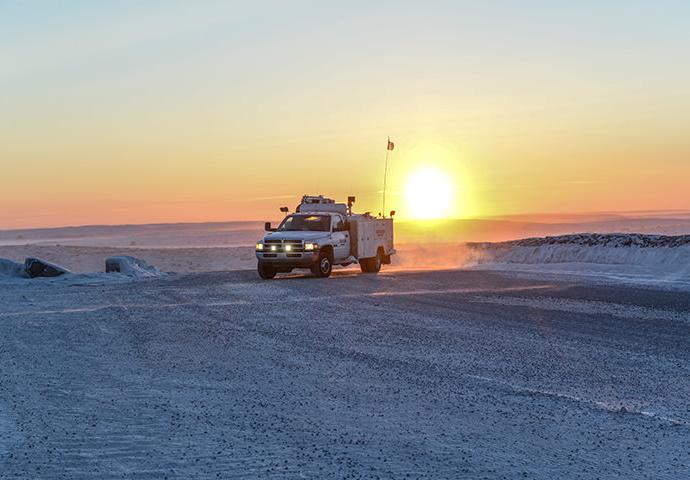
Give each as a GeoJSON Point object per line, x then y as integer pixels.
{"type": "Point", "coordinates": [267, 227]}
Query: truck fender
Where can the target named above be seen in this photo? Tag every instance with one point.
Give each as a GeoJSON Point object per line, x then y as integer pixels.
{"type": "Point", "coordinates": [328, 250]}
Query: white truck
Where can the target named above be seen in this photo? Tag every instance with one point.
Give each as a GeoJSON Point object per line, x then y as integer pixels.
{"type": "Point", "coordinates": [321, 234]}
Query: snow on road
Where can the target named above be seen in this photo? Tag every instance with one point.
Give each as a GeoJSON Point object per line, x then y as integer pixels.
{"type": "Point", "coordinates": [439, 374]}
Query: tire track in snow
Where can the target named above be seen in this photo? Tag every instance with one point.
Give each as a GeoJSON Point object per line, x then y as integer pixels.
{"type": "Point", "coordinates": [592, 404]}
{"type": "Point", "coordinates": [292, 299]}
{"type": "Point", "coordinates": [589, 307]}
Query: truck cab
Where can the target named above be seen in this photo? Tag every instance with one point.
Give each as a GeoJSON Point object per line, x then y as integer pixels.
{"type": "Point", "coordinates": [322, 234]}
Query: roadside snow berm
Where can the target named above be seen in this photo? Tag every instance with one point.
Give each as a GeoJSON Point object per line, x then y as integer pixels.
{"type": "Point", "coordinates": [11, 269]}
{"type": "Point", "coordinates": [130, 266]}
{"type": "Point", "coordinates": [35, 267]}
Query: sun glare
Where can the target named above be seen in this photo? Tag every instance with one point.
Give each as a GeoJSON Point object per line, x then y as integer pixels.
{"type": "Point", "coordinates": [428, 194]}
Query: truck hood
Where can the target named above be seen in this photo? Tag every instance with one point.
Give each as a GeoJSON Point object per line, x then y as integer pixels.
{"type": "Point", "coordinates": [306, 236]}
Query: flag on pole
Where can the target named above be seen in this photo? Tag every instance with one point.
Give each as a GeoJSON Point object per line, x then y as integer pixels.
{"type": "Point", "coordinates": [389, 147]}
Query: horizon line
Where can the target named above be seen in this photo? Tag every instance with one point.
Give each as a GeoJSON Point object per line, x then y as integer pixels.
{"type": "Point", "coordinates": [487, 217]}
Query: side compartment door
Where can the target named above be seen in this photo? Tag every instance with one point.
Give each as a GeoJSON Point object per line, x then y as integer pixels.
{"type": "Point", "coordinates": [341, 239]}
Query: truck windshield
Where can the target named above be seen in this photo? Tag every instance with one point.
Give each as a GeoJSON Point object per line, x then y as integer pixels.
{"type": "Point", "coordinates": [306, 223]}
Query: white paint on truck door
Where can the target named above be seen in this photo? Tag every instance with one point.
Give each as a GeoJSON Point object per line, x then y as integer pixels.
{"type": "Point", "coordinates": [340, 238]}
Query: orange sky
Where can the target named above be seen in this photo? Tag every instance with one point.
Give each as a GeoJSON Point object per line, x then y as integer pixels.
{"type": "Point", "coordinates": [168, 113]}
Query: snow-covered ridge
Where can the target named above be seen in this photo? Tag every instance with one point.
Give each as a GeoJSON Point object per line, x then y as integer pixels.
{"type": "Point", "coordinates": [637, 258]}
{"type": "Point", "coordinates": [612, 240]}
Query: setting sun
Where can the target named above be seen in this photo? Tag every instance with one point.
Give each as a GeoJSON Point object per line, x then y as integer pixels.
{"type": "Point", "coordinates": [428, 194]}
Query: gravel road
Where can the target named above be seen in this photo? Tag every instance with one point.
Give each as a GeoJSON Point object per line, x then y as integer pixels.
{"type": "Point", "coordinates": [438, 374]}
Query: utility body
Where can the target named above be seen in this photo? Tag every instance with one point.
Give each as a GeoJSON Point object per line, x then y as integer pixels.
{"type": "Point", "coordinates": [321, 234]}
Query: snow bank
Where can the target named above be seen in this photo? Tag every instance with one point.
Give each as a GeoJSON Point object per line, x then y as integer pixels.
{"type": "Point", "coordinates": [118, 269]}
{"type": "Point", "coordinates": [613, 240]}
{"type": "Point", "coordinates": [131, 267]}
{"type": "Point", "coordinates": [655, 257]}
{"type": "Point", "coordinates": [11, 270]}
{"type": "Point", "coordinates": [672, 252]}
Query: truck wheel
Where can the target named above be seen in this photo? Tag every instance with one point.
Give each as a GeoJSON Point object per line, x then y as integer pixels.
{"type": "Point", "coordinates": [323, 266]}
{"type": "Point", "coordinates": [266, 271]}
{"type": "Point", "coordinates": [371, 265]}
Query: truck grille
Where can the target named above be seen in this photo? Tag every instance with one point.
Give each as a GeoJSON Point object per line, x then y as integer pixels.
{"type": "Point", "coordinates": [293, 246]}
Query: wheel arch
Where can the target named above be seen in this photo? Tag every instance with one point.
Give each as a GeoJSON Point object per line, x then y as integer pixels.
{"type": "Point", "coordinates": [328, 250]}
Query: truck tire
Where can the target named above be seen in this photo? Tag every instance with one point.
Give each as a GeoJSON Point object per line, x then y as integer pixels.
{"type": "Point", "coordinates": [266, 271]}
{"type": "Point", "coordinates": [371, 265]}
{"type": "Point", "coordinates": [323, 266]}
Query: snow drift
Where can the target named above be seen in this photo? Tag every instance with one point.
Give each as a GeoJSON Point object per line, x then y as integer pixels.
{"type": "Point", "coordinates": [10, 270]}
{"type": "Point", "coordinates": [131, 267]}
{"type": "Point", "coordinates": [118, 269]}
{"type": "Point", "coordinates": [656, 257]}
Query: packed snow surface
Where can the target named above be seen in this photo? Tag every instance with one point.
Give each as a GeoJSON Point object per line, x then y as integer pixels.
{"type": "Point", "coordinates": [427, 375]}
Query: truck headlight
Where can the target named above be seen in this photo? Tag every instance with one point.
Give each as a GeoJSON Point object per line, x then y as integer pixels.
{"type": "Point", "coordinates": [259, 246]}
{"type": "Point", "coordinates": [311, 246]}
{"type": "Point", "coordinates": [288, 248]}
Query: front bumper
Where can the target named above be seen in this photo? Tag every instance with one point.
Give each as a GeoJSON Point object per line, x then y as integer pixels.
{"type": "Point", "coordinates": [283, 259]}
